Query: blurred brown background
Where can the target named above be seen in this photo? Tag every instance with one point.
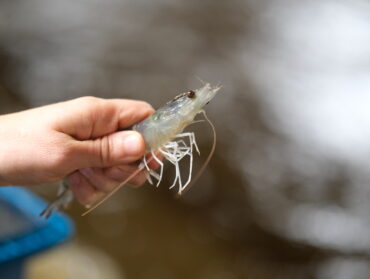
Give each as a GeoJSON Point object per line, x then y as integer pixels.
{"type": "Point", "coordinates": [286, 194]}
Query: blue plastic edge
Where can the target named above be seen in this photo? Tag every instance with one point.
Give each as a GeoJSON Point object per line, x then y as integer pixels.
{"type": "Point", "coordinates": [45, 234]}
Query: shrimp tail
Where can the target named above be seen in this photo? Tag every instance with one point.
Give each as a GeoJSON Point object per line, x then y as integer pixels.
{"type": "Point", "coordinates": [64, 198]}
{"type": "Point", "coordinates": [48, 210]}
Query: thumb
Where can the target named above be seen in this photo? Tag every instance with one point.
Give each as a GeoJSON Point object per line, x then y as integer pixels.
{"type": "Point", "coordinates": [118, 148]}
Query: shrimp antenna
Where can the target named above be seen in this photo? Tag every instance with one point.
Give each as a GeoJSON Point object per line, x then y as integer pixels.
{"type": "Point", "coordinates": [202, 81]}
{"type": "Point", "coordinates": [107, 196]}
{"type": "Point", "coordinates": [208, 158]}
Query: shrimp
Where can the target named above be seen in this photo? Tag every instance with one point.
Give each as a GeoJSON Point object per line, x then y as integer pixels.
{"type": "Point", "coordinates": [162, 131]}
{"type": "Point", "coordinates": [163, 134]}
{"type": "Point", "coordinates": [65, 197]}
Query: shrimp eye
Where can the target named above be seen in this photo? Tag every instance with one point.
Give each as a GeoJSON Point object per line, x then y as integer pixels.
{"type": "Point", "coordinates": [191, 94]}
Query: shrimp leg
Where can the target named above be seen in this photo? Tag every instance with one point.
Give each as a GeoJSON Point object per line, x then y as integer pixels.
{"type": "Point", "coordinates": [161, 166]}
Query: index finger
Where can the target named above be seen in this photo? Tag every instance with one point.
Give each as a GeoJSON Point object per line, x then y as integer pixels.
{"type": "Point", "coordinates": [90, 117]}
{"type": "Point", "coordinates": [131, 112]}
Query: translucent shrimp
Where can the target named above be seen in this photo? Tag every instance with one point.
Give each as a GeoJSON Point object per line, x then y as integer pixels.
{"type": "Point", "coordinates": [163, 134]}
{"type": "Point", "coordinates": [163, 131]}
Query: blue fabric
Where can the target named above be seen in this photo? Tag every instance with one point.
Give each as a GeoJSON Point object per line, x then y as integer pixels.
{"type": "Point", "coordinates": [32, 233]}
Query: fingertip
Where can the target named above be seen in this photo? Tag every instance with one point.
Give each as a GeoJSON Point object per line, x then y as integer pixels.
{"type": "Point", "coordinates": [138, 180]}
{"type": "Point", "coordinates": [147, 106]}
{"type": "Point", "coordinates": [131, 145]}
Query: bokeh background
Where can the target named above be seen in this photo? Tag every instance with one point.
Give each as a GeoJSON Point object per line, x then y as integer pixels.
{"type": "Point", "coordinates": [287, 192]}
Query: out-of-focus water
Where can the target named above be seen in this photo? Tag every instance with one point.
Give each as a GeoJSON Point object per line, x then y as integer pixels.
{"type": "Point", "coordinates": [286, 194]}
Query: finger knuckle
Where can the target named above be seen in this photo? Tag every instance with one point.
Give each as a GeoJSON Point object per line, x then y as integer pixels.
{"type": "Point", "coordinates": [89, 100]}
{"type": "Point", "coordinates": [104, 149]}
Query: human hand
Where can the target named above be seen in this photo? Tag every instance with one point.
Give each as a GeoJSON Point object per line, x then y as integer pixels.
{"type": "Point", "coordinates": [80, 139]}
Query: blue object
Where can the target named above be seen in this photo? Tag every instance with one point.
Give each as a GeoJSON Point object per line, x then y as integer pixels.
{"type": "Point", "coordinates": [23, 233]}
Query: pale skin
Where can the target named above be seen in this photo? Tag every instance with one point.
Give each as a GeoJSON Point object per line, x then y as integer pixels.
{"type": "Point", "coordinates": [85, 140]}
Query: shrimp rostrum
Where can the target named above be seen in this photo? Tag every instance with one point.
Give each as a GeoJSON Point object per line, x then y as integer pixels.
{"type": "Point", "coordinates": [163, 134]}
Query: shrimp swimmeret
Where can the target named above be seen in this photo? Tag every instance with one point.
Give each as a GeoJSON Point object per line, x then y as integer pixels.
{"type": "Point", "coordinates": [163, 134]}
